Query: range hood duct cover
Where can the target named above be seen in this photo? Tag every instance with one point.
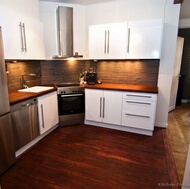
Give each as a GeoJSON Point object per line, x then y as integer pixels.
{"type": "Point", "coordinates": [65, 32]}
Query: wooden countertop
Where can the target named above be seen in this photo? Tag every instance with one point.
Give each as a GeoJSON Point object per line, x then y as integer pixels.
{"type": "Point", "coordinates": [124, 87]}
{"type": "Point", "coordinates": [16, 96]}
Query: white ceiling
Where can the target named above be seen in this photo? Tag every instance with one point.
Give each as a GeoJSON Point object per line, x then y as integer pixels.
{"type": "Point", "coordinates": [185, 7]}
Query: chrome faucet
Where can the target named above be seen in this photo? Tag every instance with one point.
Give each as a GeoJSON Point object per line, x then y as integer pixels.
{"type": "Point", "coordinates": [24, 82]}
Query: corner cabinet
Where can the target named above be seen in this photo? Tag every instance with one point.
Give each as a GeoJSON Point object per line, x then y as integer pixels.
{"type": "Point", "coordinates": [127, 40]}
{"type": "Point", "coordinates": [47, 111]}
{"type": "Point", "coordinates": [103, 106]}
{"type": "Point", "coordinates": [23, 39]}
{"type": "Point", "coordinates": [126, 111]}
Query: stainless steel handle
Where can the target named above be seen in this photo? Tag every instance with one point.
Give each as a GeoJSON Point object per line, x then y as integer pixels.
{"type": "Point", "coordinates": [100, 106]}
{"type": "Point", "coordinates": [135, 115]}
{"type": "Point", "coordinates": [103, 107]}
{"type": "Point", "coordinates": [25, 105]}
{"type": "Point", "coordinates": [139, 96]}
{"type": "Point", "coordinates": [21, 35]}
{"type": "Point", "coordinates": [128, 42]}
{"type": "Point", "coordinates": [64, 96]}
{"type": "Point", "coordinates": [146, 103]}
{"type": "Point", "coordinates": [24, 32]}
{"type": "Point", "coordinates": [108, 43]}
{"type": "Point", "coordinates": [105, 37]}
{"type": "Point", "coordinates": [42, 111]}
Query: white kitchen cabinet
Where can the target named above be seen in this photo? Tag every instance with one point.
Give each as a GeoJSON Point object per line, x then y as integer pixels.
{"type": "Point", "coordinates": [128, 40]}
{"type": "Point", "coordinates": [103, 106]}
{"type": "Point", "coordinates": [145, 39]}
{"type": "Point", "coordinates": [138, 110]}
{"type": "Point", "coordinates": [108, 41]}
{"type": "Point", "coordinates": [47, 111]}
{"type": "Point", "coordinates": [23, 39]}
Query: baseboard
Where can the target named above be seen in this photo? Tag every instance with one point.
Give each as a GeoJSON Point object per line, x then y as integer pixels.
{"type": "Point", "coordinates": [162, 125]}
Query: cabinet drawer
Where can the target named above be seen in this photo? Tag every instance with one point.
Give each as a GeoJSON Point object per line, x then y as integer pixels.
{"type": "Point", "coordinates": [140, 96]}
{"type": "Point", "coordinates": [142, 107]}
{"type": "Point", "coordinates": [137, 121]}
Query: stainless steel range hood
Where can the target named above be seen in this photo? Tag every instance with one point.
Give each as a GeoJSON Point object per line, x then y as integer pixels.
{"type": "Point", "coordinates": [65, 33]}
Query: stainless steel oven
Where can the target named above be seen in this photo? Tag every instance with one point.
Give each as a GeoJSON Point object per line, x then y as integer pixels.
{"type": "Point", "coordinates": [71, 103]}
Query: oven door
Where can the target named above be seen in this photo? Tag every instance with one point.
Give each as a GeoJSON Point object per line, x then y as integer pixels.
{"type": "Point", "coordinates": [71, 104]}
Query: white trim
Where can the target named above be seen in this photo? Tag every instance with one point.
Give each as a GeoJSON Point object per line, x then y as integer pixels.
{"type": "Point", "coordinates": [120, 128]}
{"type": "Point", "coordinates": [163, 125]}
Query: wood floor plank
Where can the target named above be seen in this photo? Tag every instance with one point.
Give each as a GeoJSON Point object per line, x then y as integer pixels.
{"type": "Point", "coordinates": [81, 157]}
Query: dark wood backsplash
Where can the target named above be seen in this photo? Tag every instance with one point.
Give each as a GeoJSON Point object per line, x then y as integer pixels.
{"type": "Point", "coordinates": [144, 72]}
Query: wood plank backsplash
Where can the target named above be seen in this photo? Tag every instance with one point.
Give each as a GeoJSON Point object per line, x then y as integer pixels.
{"type": "Point", "coordinates": [144, 72]}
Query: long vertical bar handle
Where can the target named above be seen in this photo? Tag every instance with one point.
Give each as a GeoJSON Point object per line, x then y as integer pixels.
{"type": "Point", "coordinates": [42, 111]}
{"type": "Point", "coordinates": [25, 47]}
{"type": "Point", "coordinates": [128, 42]}
{"type": "Point", "coordinates": [100, 106]}
{"type": "Point", "coordinates": [108, 43]}
{"type": "Point", "coordinates": [105, 41]}
{"type": "Point", "coordinates": [21, 36]}
{"type": "Point", "coordinates": [103, 106]}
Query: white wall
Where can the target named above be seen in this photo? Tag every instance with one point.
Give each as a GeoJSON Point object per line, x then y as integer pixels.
{"type": "Point", "coordinates": [48, 17]}
{"type": "Point", "coordinates": [184, 23]}
{"type": "Point", "coordinates": [12, 7]}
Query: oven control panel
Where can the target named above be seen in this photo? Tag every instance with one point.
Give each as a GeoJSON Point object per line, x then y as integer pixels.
{"type": "Point", "coordinates": [70, 90]}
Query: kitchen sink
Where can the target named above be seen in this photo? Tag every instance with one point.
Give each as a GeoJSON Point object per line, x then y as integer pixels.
{"type": "Point", "coordinates": [35, 89]}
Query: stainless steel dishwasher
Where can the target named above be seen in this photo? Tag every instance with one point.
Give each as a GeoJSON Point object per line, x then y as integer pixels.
{"type": "Point", "coordinates": [25, 122]}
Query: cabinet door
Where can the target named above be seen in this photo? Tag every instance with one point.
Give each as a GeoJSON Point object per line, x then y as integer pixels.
{"type": "Point", "coordinates": [47, 111]}
{"type": "Point", "coordinates": [93, 105]}
{"type": "Point", "coordinates": [145, 39]}
{"type": "Point", "coordinates": [112, 107]}
{"type": "Point", "coordinates": [34, 40]}
{"type": "Point", "coordinates": [108, 41]}
{"type": "Point", "coordinates": [11, 32]}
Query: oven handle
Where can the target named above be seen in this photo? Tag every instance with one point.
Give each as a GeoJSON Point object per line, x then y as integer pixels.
{"type": "Point", "coordinates": [64, 96]}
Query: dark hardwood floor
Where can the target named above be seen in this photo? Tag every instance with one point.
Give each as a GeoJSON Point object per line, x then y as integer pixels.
{"type": "Point", "coordinates": [80, 157]}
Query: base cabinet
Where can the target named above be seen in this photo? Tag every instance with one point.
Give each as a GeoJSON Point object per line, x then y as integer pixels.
{"type": "Point", "coordinates": [126, 111]}
{"type": "Point", "coordinates": [139, 110]}
{"type": "Point", "coordinates": [103, 106]}
{"type": "Point", "coordinates": [47, 111]}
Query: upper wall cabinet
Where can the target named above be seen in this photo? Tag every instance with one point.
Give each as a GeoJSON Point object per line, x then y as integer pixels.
{"type": "Point", "coordinates": [23, 39]}
{"type": "Point", "coordinates": [145, 39]}
{"type": "Point", "coordinates": [130, 40]}
{"type": "Point", "coordinates": [108, 41]}
{"type": "Point", "coordinates": [21, 29]}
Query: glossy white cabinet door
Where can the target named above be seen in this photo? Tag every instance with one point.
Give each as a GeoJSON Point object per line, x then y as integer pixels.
{"type": "Point", "coordinates": [112, 107]}
{"type": "Point", "coordinates": [108, 41]}
{"type": "Point", "coordinates": [47, 111]}
{"type": "Point", "coordinates": [103, 106]}
{"type": "Point", "coordinates": [145, 39]}
{"type": "Point", "coordinates": [93, 105]}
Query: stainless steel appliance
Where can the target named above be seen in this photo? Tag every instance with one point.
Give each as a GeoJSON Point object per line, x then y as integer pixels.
{"type": "Point", "coordinates": [7, 151]}
{"type": "Point", "coordinates": [65, 33]}
{"type": "Point", "coordinates": [25, 122]}
{"type": "Point", "coordinates": [71, 103]}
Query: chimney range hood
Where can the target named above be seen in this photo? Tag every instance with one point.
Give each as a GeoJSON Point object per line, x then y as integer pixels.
{"type": "Point", "coordinates": [65, 33]}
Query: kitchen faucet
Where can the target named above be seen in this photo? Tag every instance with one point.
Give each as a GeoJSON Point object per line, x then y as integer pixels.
{"type": "Point", "coordinates": [24, 82]}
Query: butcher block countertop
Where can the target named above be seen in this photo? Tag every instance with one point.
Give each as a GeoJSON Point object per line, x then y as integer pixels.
{"type": "Point", "coordinates": [16, 96]}
{"type": "Point", "coordinates": [124, 87]}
